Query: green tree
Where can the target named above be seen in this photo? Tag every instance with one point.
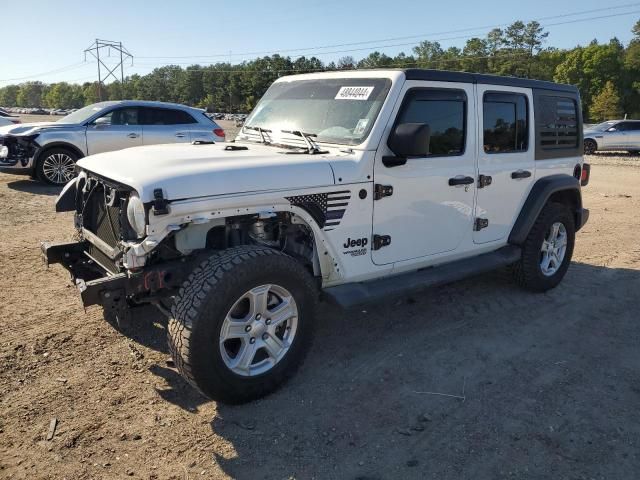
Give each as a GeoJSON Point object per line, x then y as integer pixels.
{"type": "Point", "coordinates": [428, 54]}
{"type": "Point", "coordinates": [590, 68]}
{"type": "Point", "coordinates": [9, 95]}
{"type": "Point", "coordinates": [30, 94]}
{"type": "Point", "coordinates": [606, 104]}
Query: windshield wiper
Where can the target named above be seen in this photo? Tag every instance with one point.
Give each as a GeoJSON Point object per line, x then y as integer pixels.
{"type": "Point", "coordinates": [312, 147]}
{"type": "Point", "coordinates": [260, 130]}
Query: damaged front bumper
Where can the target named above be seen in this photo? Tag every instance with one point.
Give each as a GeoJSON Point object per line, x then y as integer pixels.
{"type": "Point", "coordinates": [116, 291]}
{"type": "Point", "coordinates": [17, 154]}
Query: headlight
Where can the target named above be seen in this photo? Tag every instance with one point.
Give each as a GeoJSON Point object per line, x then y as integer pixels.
{"type": "Point", "coordinates": [136, 215]}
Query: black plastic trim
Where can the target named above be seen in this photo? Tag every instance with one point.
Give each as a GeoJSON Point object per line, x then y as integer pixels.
{"type": "Point", "coordinates": [538, 197]}
{"type": "Point", "coordinates": [352, 294]}
{"type": "Point", "coordinates": [464, 77]}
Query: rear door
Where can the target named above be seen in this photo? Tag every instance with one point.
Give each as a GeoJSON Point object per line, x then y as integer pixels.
{"type": "Point", "coordinates": [114, 130]}
{"type": "Point", "coordinates": [165, 125]}
{"type": "Point", "coordinates": [631, 135]}
{"type": "Point", "coordinates": [506, 164]}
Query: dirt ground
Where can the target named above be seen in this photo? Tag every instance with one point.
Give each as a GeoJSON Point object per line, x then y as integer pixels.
{"type": "Point", "coordinates": [541, 386]}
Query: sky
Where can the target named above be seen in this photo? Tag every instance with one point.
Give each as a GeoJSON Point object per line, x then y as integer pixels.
{"type": "Point", "coordinates": [45, 39]}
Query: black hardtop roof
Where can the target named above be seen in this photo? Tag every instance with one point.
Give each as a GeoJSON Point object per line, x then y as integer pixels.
{"type": "Point", "coordinates": [448, 76]}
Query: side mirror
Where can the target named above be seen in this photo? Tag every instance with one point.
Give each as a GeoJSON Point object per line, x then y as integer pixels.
{"type": "Point", "coordinates": [102, 121]}
{"type": "Point", "coordinates": [410, 140]}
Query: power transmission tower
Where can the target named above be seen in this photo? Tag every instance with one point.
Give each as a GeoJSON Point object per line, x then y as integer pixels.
{"type": "Point", "coordinates": [96, 48]}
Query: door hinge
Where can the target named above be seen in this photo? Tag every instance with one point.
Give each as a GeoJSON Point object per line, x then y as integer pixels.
{"type": "Point", "coordinates": [381, 191]}
{"type": "Point", "coordinates": [480, 223]}
{"type": "Point", "coordinates": [380, 241]}
{"type": "Point", "coordinates": [484, 181]}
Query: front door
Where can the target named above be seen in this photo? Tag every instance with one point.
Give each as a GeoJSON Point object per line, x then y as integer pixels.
{"type": "Point", "coordinates": [430, 209]}
{"type": "Point", "coordinates": [613, 138]}
{"type": "Point", "coordinates": [506, 164]}
{"type": "Point", "coordinates": [114, 130]}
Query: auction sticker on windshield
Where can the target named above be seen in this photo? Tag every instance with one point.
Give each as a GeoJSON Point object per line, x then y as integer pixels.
{"type": "Point", "coordinates": [354, 93]}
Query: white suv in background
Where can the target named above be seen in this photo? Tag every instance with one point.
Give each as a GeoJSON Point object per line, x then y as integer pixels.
{"type": "Point", "coordinates": [49, 150]}
{"type": "Point", "coordinates": [613, 135]}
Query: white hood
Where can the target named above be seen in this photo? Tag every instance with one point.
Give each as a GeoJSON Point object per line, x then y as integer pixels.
{"type": "Point", "coordinates": [188, 171]}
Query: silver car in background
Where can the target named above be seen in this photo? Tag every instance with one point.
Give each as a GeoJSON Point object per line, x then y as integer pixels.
{"type": "Point", "coordinates": [49, 150]}
{"type": "Point", "coordinates": [613, 135]}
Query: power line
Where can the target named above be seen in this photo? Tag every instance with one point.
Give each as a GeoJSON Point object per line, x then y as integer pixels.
{"type": "Point", "coordinates": [73, 66]}
{"type": "Point", "coordinates": [375, 47]}
{"type": "Point", "coordinates": [322, 47]}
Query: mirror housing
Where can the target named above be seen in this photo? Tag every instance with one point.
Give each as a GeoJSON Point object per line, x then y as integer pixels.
{"type": "Point", "coordinates": [102, 121]}
{"type": "Point", "coordinates": [410, 140]}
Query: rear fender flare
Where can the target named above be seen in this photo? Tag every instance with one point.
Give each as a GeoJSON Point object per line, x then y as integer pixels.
{"type": "Point", "coordinates": [561, 188]}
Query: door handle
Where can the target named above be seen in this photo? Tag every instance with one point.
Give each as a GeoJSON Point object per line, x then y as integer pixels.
{"type": "Point", "coordinates": [460, 180]}
{"type": "Point", "coordinates": [520, 174]}
{"type": "Point", "coordinates": [180, 135]}
{"type": "Point", "coordinates": [133, 135]}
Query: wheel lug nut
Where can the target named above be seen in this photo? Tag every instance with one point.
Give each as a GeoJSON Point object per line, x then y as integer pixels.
{"type": "Point", "coordinates": [258, 317]}
{"type": "Point", "coordinates": [265, 336]}
{"type": "Point", "coordinates": [252, 340]}
{"type": "Point", "coordinates": [247, 328]}
{"type": "Point", "coordinates": [268, 321]}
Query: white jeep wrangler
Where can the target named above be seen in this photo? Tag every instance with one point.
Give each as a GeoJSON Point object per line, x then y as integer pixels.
{"type": "Point", "coordinates": [358, 185]}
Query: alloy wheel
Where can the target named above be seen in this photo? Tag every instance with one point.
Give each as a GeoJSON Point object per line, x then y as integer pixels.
{"type": "Point", "coordinates": [58, 168]}
{"type": "Point", "coordinates": [258, 330]}
{"type": "Point", "coordinates": [553, 250]}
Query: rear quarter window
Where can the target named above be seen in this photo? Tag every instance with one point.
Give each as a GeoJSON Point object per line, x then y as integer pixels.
{"type": "Point", "coordinates": [558, 123]}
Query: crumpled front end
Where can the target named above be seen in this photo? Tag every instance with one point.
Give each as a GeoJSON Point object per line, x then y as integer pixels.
{"type": "Point", "coordinates": [100, 262]}
{"type": "Point", "coordinates": [17, 153]}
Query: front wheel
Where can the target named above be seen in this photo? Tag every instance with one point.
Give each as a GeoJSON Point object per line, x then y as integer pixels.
{"type": "Point", "coordinates": [547, 251]}
{"type": "Point", "coordinates": [242, 323]}
{"type": "Point", "coordinates": [56, 166]}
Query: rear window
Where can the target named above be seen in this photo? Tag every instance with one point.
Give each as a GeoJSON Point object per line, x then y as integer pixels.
{"type": "Point", "coordinates": [557, 123]}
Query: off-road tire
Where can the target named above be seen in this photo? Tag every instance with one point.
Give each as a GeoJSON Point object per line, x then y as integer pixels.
{"type": "Point", "coordinates": [202, 304]}
{"type": "Point", "coordinates": [590, 147]}
{"type": "Point", "coordinates": [527, 272]}
{"type": "Point", "coordinates": [40, 174]}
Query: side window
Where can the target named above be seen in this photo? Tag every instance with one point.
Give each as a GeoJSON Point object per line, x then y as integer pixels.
{"type": "Point", "coordinates": [444, 110]}
{"type": "Point", "coordinates": [505, 123]}
{"type": "Point", "coordinates": [166, 116]}
{"type": "Point", "coordinates": [628, 126]}
{"type": "Point", "coordinates": [557, 123]}
{"type": "Point", "coordinates": [122, 116]}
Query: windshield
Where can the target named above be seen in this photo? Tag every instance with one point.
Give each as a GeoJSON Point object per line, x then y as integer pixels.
{"type": "Point", "coordinates": [339, 111]}
{"type": "Point", "coordinates": [82, 115]}
{"type": "Point", "coordinates": [603, 127]}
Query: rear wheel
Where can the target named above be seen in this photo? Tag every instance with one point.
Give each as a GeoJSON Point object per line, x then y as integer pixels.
{"type": "Point", "coordinates": [547, 251]}
{"type": "Point", "coordinates": [242, 323]}
{"type": "Point", "coordinates": [590, 147]}
{"type": "Point", "coordinates": [56, 166]}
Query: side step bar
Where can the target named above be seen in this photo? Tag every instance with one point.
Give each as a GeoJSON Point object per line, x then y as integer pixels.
{"type": "Point", "coordinates": [351, 294]}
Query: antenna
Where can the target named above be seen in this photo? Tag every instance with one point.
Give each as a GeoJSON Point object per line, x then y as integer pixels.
{"type": "Point", "coordinates": [95, 49]}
